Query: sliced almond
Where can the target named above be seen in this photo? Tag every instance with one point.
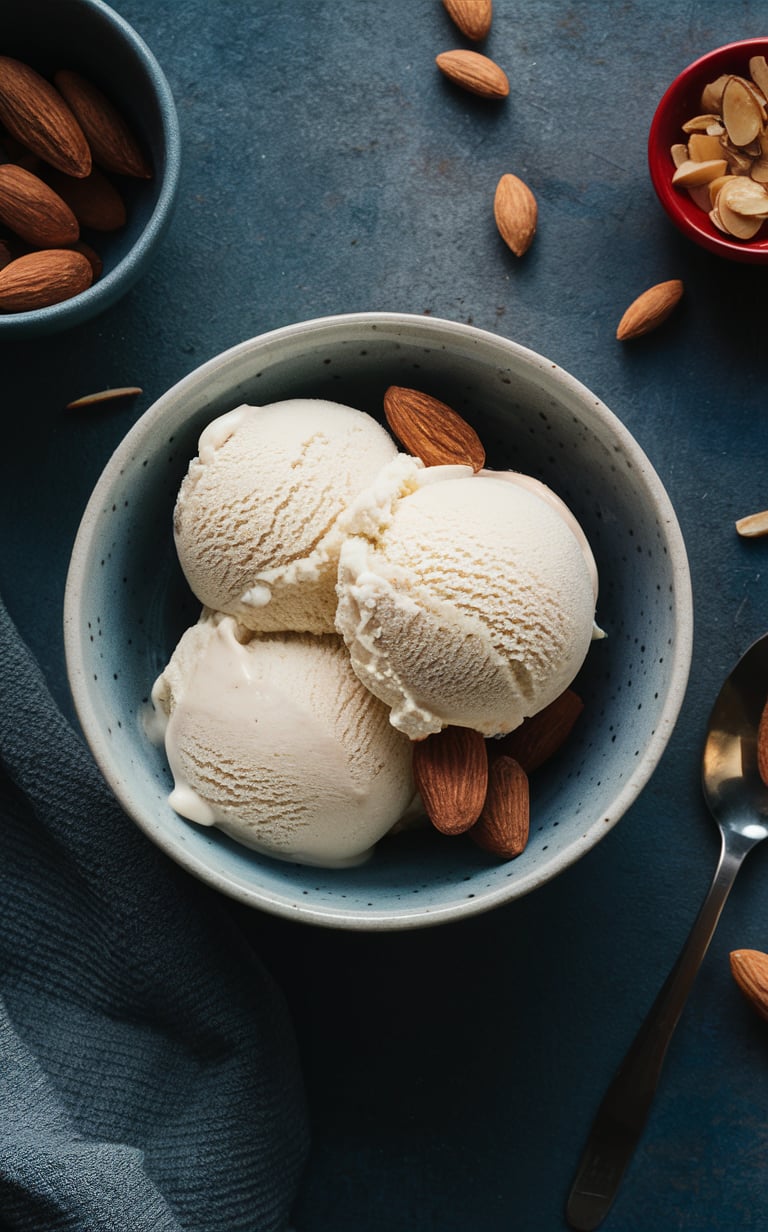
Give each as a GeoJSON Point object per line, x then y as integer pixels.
{"type": "Point", "coordinates": [753, 525]}
{"type": "Point", "coordinates": [739, 226]}
{"type": "Point", "coordinates": [749, 969]}
{"type": "Point", "coordinates": [516, 212]}
{"type": "Point", "coordinates": [679, 153]}
{"type": "Point", "coordinates": [743, 196]}
{"type": "Point", "coordinates": [712, 94]}
{"type": "Point", "coordinates": [758, 71]}
{"type": "Point", "coordinates": [450, 769]}
{"type": "Point", "coordinates": [649, 309]}
{"type": "Point", "coordinates": [474, 72]}
{"type": "Point", "coordinates": [739, 162]}
{"type": "Point", "coordinates": [703, 146]}
{"type": "Point", "coordinates": [742, 114]}
{"type": "Point", "coordinates": [432, 430]}
{"type": "Point", "coordinates": [714, 186]}
{"type": "Point", "coordinates": [689, 173]}
{"type": "Point", "coordinates": [700, 123]}
{"type": "Point", "coordinates": [504, 823]}
{"type": "Point", "coordinates": [759, 171]}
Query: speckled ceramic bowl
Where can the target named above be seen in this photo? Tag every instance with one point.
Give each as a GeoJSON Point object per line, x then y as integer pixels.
{"type": "Point", "coordinates": [89, 37]}
{"type": "Point", "coordinates": [127, 603]}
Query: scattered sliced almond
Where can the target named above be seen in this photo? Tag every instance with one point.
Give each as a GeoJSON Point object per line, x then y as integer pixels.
{"type": "Point", "coordinates": [542, 735]}
{"type": "Point", "coordinates": [473, 17]}
{"type": "Point", "coordinates": [450, 769]}
{"type": "Point", "coordinates": [516, 212]}
{"type": "Point", "coordinates": [104, 395]}
{"type": "Point", "coordinates": [474, 72]}
{"type": "Point", "coordinates": [650, 309]}
{"type": "Point", "coordinates": [750, 971]}
{"type": "Point", "coordinates": [432, 430]}
{"type": "Point", "coordinates": [504, 823]}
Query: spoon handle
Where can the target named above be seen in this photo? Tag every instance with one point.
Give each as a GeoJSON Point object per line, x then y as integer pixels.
{"type": "Point", "coordinates": [624, 1110]}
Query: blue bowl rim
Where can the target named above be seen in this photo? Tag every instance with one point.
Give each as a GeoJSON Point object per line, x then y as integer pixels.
{"type": "Point", "coordinates": [405, 917]}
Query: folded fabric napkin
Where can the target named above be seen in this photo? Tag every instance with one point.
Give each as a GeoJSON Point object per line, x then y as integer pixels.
{"type": "Point", "coordinates": [148, 1074]}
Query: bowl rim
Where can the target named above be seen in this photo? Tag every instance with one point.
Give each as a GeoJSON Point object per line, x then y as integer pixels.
{"type": "Point", "coordinates": [102, 293]}
{"type": "Point", "coordinates": [332, 915]}
{"type": "Point", "coordinates": [700, 231]}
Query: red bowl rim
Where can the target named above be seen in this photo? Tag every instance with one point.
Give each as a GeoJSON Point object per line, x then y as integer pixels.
{"type": "Point", "coordinates": [683, 212]}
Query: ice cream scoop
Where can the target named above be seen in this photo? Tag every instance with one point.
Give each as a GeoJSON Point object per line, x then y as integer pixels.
{"type": "Point", "coordinates": [463, 599]}
{"type": "Point", "coordinates": [273, 739]}
{"type": "Point", "coordinates": [255, 518]}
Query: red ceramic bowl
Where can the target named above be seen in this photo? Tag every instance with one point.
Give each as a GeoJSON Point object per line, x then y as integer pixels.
{"type": "Point", "coordinates": [680, 102]}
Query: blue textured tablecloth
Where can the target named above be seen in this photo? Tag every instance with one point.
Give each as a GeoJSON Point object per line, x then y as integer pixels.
{"type": "Point", "coordinates": [148, 1074]}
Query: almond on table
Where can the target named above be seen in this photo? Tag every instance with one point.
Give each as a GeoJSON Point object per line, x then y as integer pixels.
{"type": "Point", "coordinates": [650, 309]}
{"type": "Point", "coordinates": [474, 72]}
{"type": "Point", "coordinates": [750, 971]}
{"type": "Point", "coordinates": [473, 17]}
{"type": "Point", "coordinates": [516, 212]}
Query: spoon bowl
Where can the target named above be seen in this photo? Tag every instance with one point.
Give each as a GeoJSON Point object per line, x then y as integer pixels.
{"type": "Point", "coordinates": [738, 800]}
{"type": "Point", "coordinates": [735, 793]}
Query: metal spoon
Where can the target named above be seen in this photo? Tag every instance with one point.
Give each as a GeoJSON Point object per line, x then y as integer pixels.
{"type": "Point", "coordinates": [738, 801]}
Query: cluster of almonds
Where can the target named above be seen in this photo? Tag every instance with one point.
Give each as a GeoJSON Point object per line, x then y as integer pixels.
{"type": "Point", "coordinates": [60, 145]}
{"type": "Point", "coordinates": [515, 207]}
{"type": "Point", "coordinates": [470, 784]}
{"type": "Point", "coordinates": [750, 967]}
{"type": "Point", "coordinates": [724, 161]}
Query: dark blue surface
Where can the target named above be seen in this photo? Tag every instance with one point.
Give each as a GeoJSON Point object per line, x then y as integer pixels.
{"type": "Point", "coordinates": [328, 167]}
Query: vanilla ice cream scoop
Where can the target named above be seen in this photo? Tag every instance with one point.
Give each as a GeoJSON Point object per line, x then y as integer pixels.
{"type": "Point", "coordinates": [464, 599]}
{"type": "Point", "coordinates": [273, 739]}
{"type": "Point", "coordinates": [255, 517]}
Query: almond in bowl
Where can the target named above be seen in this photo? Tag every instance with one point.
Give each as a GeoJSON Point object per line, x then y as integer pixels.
{"type": "Point", "coordinates": [89, 161]}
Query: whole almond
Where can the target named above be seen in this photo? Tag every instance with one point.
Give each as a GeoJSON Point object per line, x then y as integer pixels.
{"type": "Point", "coordinates": [33, 210]}
{"type": "Point", "coordinates": [539, 737]}
{"type": "Point", "coordinates": [37, 116]}
{"type": "Point", "coordinates": [516, 212]}
{"type": "Point", "coordinates": [432, 430]}
{"type": "Point", "coordinates": [504, 823]}
{"type": "Point", "coordinates": [473, 17]}
{"type": "Point", "coordinates": [750, 971]}
{"type": "Point", "coordinates": [649, 309]}
{"type": "Point", "coordinates": [39, 279]}
{"type": "Point", "coordinates": [450, 769]}
{"type": "Point", "coordinates": [113, 144]}
{"type": "Point", "coordinates": [474, 72]}
{"type": "Point", "coordinates": [95, 201]}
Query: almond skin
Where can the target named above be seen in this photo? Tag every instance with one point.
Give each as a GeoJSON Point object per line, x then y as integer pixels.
{"type": "Point", "coordinates": [432, 430]}
{"type": "Point", "coordinates": [649, 309]}
{"type": "Point", "coordinates": [504, 823]}
{"type": "Point", "coordinates": [749, 969]}
{"type": "Point", "coordinates": [37, 116]}
{"type": "Point", "coordinates": [34, 211]}
{"type": "Point", "coordinates": [112, 142]}
{"type": "Point", "coordinates": [516, 212]}
{"type": "Point", "coordinates": [94, 201]}
{"type": "Point", "coordinates": [450, 769]}
{"type": "Point", "coordinates": [539, 737]}
{"type": "Point", "coordinates": [473, 17]}
{"type": "Point", "coordinates": [474, 72]}
{"type": "Point", "coordinates": [43, 278]}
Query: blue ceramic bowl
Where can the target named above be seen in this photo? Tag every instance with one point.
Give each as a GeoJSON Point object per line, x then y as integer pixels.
{"type": "Point", "coordinates": [88, 36]}
{"type": "Point", "coordinates": [127, 604]}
